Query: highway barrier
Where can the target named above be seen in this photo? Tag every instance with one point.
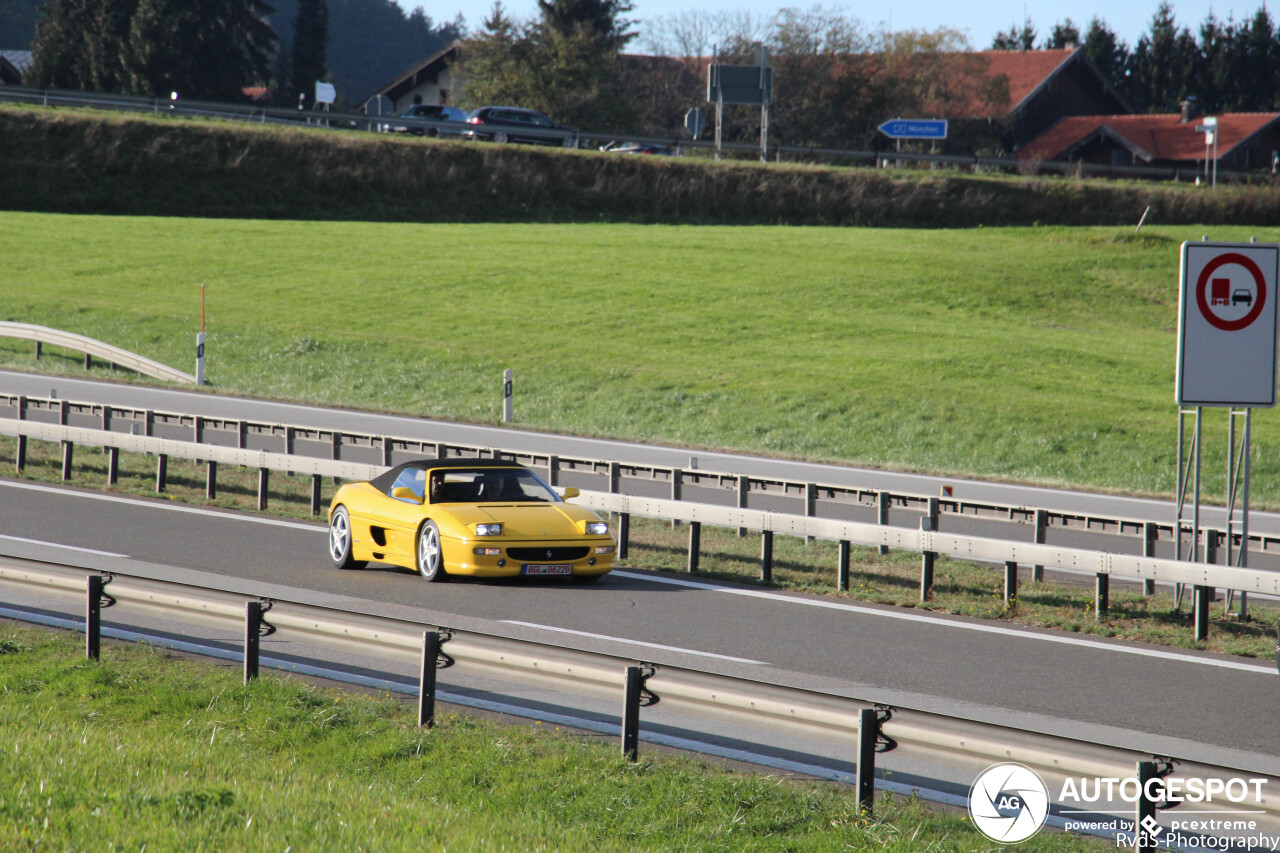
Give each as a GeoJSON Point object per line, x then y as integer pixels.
{"type": "Point", "coordinates": [92, 348]}
{"type": "Point", "coordinates": [909, 733]}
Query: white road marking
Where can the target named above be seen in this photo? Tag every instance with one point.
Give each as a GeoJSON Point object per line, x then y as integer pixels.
{"type": "Point", "coordinates": [213, 513]}
{"type": "Point", "coordinates": [950, 623]}
{"type": "Point", "coordinates": [633, 642]}
{"type": "Point", "coordinates": [65, 547]}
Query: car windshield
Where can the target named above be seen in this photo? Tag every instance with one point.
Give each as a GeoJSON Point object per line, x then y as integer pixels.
{"type": "Point", "coordinates": [489, 485]}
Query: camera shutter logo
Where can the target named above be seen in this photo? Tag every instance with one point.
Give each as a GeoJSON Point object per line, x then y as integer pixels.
{"type": "Point", "coordinates": [1008, 803]}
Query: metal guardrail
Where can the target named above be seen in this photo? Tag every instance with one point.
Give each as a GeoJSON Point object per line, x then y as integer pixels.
{"type": "Point", "coordinates": [92, 348]}
{"type": "Point", "coordinates": [586, 139]}
{"type": "Point", "coordinates": [910, 733]}
{"type": "Point", "coordinates": [923, 540]}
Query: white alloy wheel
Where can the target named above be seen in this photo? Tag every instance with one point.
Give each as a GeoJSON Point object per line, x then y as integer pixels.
{"type": "Point", "coordinates": [340, 540]}
{"type": "Point", "coordinates": [430, 556]}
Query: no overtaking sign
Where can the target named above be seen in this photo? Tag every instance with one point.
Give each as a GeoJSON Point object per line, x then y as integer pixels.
{"type": "Point", "coordinates": [1227, 324]}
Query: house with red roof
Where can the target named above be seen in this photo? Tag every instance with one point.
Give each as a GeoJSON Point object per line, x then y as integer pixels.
{"type": "Point", "coordinates": [1245, 141]}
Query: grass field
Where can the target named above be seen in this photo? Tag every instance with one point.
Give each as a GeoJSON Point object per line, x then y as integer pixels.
{"type": "Point", "coordinates": [1033, 354]}
{"type": "Point", "coordinates": [145, 751]}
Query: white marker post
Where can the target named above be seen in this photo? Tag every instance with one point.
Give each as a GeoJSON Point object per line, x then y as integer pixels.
{"type": "Point", "coordinates": [506, 396]}
{"type": "Point", "coordinates": [200, 343]}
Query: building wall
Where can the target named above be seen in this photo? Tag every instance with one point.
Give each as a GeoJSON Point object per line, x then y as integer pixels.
{"type": "Point", "coordinates": [1075, 91]}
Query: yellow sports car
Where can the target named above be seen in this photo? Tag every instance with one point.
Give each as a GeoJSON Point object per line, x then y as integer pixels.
{"type": "Point", "coordinates": [478, 517]}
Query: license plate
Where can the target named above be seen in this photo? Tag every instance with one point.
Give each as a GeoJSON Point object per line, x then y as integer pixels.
{"type": "Point", "coordinates": [545, 569]}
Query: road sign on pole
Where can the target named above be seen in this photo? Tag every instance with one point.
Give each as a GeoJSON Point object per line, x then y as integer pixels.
{"type": "Point", "coordinates": [915, 128]}
{"type": "Point", "coordinates": [1227, 324]}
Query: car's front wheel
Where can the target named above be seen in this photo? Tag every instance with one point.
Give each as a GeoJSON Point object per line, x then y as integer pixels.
{"type": "Point", "coordinates": [430, 554]}
{"type": "Point", "coordinates": [340, 540]}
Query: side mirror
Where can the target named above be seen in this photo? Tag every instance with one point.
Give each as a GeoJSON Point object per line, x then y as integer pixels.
{"type": "Point", "coordinates": [570, 493]}
{"type": "Point", "coordinates": [405, 493]}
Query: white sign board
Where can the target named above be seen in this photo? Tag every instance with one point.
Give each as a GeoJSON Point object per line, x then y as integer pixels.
{"type": "Point", "coordinates": [326, 93]}
{"type": "Point", "coordinates": [1227, 324]}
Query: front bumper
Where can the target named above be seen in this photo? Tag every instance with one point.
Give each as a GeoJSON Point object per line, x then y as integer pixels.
{"type": "Point", "coordinates": [460, 557]}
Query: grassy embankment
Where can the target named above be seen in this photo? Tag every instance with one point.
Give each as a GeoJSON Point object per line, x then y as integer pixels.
{"type": "Point", "coordinates": [145, 751]}
{"type": "Point", "coordinates": [1040, 354]}
{"type": "Point", "coordinates": [85, 161]}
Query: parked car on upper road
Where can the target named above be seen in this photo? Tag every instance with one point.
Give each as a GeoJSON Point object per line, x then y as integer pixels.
{"type": "Point", "coordinates": [515, 124]}
{"type": "Point", "coordinates": [435, 113]}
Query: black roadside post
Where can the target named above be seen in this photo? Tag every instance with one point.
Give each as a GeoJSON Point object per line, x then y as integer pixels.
{"type": "Point", "coordinates": [868, 734]}
{"type": "Point", "coordinates": [635, 697]}
{"type": "Point", "coordinates": [427, 679]}
{"type": "Point", "coordinates": [97, 600]}
{"type": "Point", "coordinates": [766, 556]}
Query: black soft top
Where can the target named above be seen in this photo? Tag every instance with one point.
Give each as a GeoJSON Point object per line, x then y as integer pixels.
{"type": "Point", "coordinates": [383, 481]}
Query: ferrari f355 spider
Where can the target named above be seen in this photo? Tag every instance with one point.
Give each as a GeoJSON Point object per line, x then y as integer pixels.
{"type": "Point", "coordinates": [477, 517]}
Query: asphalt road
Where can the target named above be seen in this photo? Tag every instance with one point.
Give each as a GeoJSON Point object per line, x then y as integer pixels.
{"type": "Point", "coordinates": [1167, 701]}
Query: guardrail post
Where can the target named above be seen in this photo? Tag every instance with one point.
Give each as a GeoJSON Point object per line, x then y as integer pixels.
{"type": "Point", "coordinates": [252, 638]}
{"type": "Point", "coordinates": [39, 350]}
{"type": "Point", "coordinates": [386, 450]}
{"type": "Point", "coordinates": [211, 479]}
{"type": "Point", "coordinates": [553, 469]}
{"type": "Point", "coordinates": [113, 465]}
{"type": "Point", "coordinates": [21, 461]}
{"type": "Point", "coordinates": [1201, 596]}
{"type": "Point", "coordinates": [68, 451]}
{"type": "Point", "coordinates": [1010, 583]}
{"type": "Point", "coordinates": [677, 488]}
{"type": "Point", "coordinates": [197, 429]}
{"type": "Point", "coordinates": [427, 679]}
{"type": "Point", "coordinates": [926, 564]}
{"type": "Point", "coordinates": [264, 479]}
{"type": "Point", "coordinates": [615, 474]}
{"type": "Point", "coordinates": [1101, 594]}
{"type": "Point", "coordinates": [242, 435]}
{"type": "Point", "coordinates": [842, 568]}
{"type": "Point", "coordinates": [88, 361]}
{"type": "Point", "coordinates": [744, 486]}
{"type": "Point", "coordinates": [162, 471]}
{"type": "Point", "coordinates": [883, 501]}
{"type": "Point", "coordinates": [624, 534]}
{"type": "Point", "coordinates": [766, 556]}
{"type": "Point", "coordinates": [631, 714]}
{"type": "Point", "coordinates": [868, 734]}
{"type": "Point", "coordinates": [810, 505]}
{"type": "Point", "coordinates": [695, 545]}
{"type": "Point", "coordinates": [1149, 550]}
{"type": "Point", "coordinates": [1042, 523]}
{"type": "Point", "coordinates": [93, 618]}
{"type": "Point", "coordinates": [315, 494]}
{"type": "Point", "coordinates": [1144, 837]}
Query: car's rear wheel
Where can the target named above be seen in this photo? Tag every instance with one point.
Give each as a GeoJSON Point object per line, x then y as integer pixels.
{"type": "Point", "coordinates": [430, 554]}
{"type": "Point", "coordinates": [499, 137]}
{"type": "Point", "coordinates": [340, 540]}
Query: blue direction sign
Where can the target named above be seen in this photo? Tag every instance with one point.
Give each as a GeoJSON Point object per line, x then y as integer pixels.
{"type": "Point", "coordinates": [915, 128]}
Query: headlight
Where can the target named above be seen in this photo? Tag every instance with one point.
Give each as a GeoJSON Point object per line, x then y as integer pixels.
{"type": "Point", "coordinates": [604, 549]}
{"type": "Point", "coordinates": [494, 529]}
{"type": "Point", "coordinates": [487, 552]}
{"type": "Point", "coordinates": [597, 528]}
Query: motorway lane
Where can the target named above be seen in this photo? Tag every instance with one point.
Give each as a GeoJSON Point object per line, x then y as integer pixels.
{"type": "Point", "coordinates": [213, 405]}
{"type": "Point", "coordinates": [858, 650]}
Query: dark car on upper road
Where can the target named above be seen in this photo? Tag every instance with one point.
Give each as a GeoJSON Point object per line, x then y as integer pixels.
{"type": "Point", "coordinates": [516, 124]}
{"type": "Point", "coordinates": [452, 121]}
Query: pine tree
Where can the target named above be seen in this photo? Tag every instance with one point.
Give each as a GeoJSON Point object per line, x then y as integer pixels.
{"type": "Point", "coordinates": [1108, 53]}
{"type": "Point", "coordinates": [1064, 34]}
{"type": "Point", "coordinates": [310, 41]}
{"type": "Point", "coordinates": [596, 19]}
{"type": "Point", "coordinates": [78, 44]}
{"type": "Point", "coordinates": [1016, 38]}
{"type": "Point", "coordinates": [1164, 66]}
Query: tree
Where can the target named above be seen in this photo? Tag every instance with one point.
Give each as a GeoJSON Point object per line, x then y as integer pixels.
{"type": "Point", "coordinates": [78, 44]}
{"type": "Point", "coordinates": [1108, 53]}
{"type": "Point", "coordinates": [573, 76]}
{"type": "Point", "coordinates": [1016, 38]}
{"type": "Point", "coordinates": [1064, 34]}
{"type": "Point", "coordinates": [598, 20]}
{"type": "Point", "coordinates": [310, 38]}
{"type": "Point", "coordinates": [201, 48]}
{"type": "Point", "coordinates": [1163, 67]}
{"type": "Point", "coordinates": [207, 49]}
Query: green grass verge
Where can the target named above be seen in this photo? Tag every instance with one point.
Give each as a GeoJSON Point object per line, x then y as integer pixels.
{"type": "Point", "coordinates": [1064, 603]}
{"type": "Point", "coordinates": [1032, 354]}
{"type": "Point", "coordinates": [146, 751]}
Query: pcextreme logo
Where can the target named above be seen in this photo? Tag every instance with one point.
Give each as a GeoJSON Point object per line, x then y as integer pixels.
{"type": "Point", "coordinates": [1008, 803]}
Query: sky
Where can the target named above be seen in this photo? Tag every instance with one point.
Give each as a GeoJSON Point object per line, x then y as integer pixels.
{"type": "Point", "coordinates": [981, 21]}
